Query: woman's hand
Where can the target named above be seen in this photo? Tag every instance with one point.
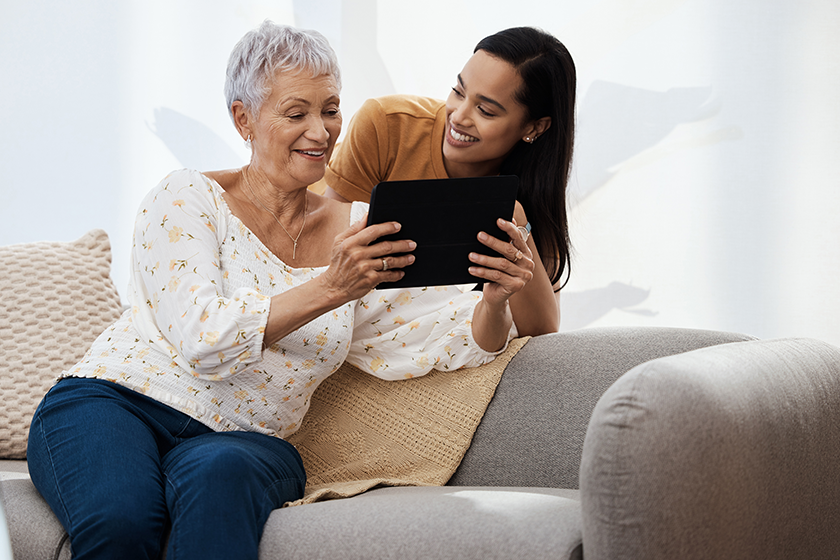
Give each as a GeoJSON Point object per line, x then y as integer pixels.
{"type": "Point", "coordinates": [358, 263]}
{"type": "Point", "coordinates": [535, 307]}
{"type": "Point", "coordinates": [508, 274]}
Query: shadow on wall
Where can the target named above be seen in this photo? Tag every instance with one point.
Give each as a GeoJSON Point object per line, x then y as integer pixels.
{"type": "Point", "coordinates": [581, 309]}
{"type": "Point", "coordinates": [193, 144]}
{"type": "Point", "coordinates": [616, 123]}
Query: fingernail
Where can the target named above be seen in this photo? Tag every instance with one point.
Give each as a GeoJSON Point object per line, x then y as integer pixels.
{"type": "Point", "coordinates": [410, 259]}
{"type": "Point", "coordinates": [412, 245]}
{"type": "Point", "coordinates": [397, 226]}
{"type": "Point", "coordinates": [482, 236]}
{"type": "Point", "coordinates": [473, 256]}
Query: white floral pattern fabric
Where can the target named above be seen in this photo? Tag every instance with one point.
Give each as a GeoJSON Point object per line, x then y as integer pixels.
{"type": "Point", "coordinates": [199, 300]}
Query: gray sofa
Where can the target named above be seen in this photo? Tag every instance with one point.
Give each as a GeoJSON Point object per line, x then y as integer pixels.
{"type": "Point", "coordinates": [702, 444]}
{"type": "Point", "coordinates": [610, 443]}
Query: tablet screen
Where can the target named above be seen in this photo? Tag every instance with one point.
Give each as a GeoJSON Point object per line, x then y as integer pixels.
{"type": "Point", "coordinates": [443, 216]}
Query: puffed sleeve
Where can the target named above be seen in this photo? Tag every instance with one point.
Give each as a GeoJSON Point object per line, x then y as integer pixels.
{"type": "Point", "coordinates": [176, 288]}
{"type": "Point", "coordinates": [360, 159]}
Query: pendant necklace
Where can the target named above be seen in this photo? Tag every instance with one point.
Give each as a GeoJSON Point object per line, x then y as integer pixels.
{"type": "Point", "coordinates": [276, 219]}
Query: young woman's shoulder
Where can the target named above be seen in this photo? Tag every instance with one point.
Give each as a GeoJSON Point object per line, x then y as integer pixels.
{"type": "Point", "coordinates": [413, 105]}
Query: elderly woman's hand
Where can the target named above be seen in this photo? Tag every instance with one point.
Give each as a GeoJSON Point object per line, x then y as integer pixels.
{"type": "Point", "coordinates": [358, 264]}
{"type": "Point", "coordinates": [508, 274]}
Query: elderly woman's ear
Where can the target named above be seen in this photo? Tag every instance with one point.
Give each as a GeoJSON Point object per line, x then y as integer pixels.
{"type": "Point", "coordinates": [241, 119]}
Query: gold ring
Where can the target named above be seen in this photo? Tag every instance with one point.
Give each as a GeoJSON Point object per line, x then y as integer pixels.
{"type": "Point", "coordinates": [384, 265]}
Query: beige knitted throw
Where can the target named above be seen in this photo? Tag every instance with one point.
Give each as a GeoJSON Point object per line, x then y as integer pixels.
{"type": "Point", "coordinates": [361, 432]}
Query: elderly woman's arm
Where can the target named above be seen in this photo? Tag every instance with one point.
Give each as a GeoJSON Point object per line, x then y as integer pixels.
{"type": "Point", "coordinates": [178, 300]}
{"type": "Point", "coordinates": [176, 292]}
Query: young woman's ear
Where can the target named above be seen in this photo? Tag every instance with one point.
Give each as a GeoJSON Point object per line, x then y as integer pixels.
{"type": "Point", "coordinates": [536, 129]}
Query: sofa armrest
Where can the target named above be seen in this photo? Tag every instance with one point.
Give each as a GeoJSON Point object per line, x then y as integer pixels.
{"type": "Point", "coordinates": [726, 452]}
{"type": "Point", "coordinates": [532, 433]}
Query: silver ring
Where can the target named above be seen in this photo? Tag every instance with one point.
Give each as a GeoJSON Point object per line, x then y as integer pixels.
{"type": "Point", "coordinates": [517, 256]}
{"type": "Point", "coordinates": [384, 265]}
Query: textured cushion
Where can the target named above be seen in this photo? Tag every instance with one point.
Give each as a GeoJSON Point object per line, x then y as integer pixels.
{"type": "Point", "coordinates": [34, 530]}
{"type": "Point", "coordinates": [419, 523]}
{"type": "Point", "coordinates": [724, 452]}
{"type": "Point", "coordinates": [532, 433]}
{"type": "Point", "coordinates": [57, 298]}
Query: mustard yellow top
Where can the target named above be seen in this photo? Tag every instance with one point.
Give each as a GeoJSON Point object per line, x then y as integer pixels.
{"type": "Point", "coordinates": [397, 137]}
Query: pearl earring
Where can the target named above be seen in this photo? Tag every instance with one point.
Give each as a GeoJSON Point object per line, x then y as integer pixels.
{"type": "Point", "coordinates": [248, 142]}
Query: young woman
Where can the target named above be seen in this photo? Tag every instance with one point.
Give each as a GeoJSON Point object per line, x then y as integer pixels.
{"type": "Point", "coordinates": [511, 111]}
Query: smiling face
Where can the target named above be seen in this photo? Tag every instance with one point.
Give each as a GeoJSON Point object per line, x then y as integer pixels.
{"type": "Point", "coordinates": [484, 119]}
{"type": "Point", "coordinates": [294, 132]}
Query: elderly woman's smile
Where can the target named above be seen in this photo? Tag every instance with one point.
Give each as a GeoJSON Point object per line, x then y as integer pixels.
{"type": "Point", "coordinates": [296, 128]}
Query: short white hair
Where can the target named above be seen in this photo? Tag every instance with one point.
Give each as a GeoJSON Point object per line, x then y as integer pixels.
{"type": "Point", "coordinates": [268, 49]}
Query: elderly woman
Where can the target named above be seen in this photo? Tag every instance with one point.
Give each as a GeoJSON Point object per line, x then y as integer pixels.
{"type": "Point", "coordinates": [247, 291]}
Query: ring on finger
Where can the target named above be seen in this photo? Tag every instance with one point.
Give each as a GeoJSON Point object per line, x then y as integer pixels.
{"type": "Point", "coordinates": [517, 256]}
{"type": "Point", "coordinates": [384, 265]}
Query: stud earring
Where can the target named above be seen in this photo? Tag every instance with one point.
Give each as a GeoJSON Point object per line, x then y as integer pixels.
{"type": "Point", "coordinates": [248, 142]}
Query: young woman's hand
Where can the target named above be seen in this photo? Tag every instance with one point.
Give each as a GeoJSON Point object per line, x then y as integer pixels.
{"type": "Point", "coordinates": [505, 275]}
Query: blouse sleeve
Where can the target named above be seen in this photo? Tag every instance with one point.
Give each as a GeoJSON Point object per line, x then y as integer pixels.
{"type": "Point", "coordinates": [176, 288]}
{"type": "Point", "coordinates": [406, 333]}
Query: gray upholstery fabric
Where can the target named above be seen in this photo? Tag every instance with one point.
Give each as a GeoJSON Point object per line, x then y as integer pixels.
{"type": "Point", "coordinates": [532, 433]}
{"type": "Point", "coordinates": [33, 529]}
{"type": "Point", "coordinates": [443, 523]}
{"type": "Point", "coordinates": [726, 452]}
{"type": "Point", "coordinates": [13, 466]}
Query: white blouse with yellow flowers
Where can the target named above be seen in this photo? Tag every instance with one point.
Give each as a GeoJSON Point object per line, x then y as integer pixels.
{"type": "Point", "coordinates": [199, 300]}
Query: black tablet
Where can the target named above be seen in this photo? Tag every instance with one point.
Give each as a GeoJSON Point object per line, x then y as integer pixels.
{"type": "Point", "coordinates": [443, 216]}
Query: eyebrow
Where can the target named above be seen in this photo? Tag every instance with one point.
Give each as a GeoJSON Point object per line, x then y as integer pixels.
{"type": "Point", "coordinates": [484, 98]}
{"type": "Point", "coordinates": [302, 101]}
{"type": "Point", "coordinates": [297, 99]}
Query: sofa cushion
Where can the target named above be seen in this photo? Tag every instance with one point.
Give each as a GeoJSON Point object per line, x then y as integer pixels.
{"type": "Point", "coordinates": [402, 523]}
{"type": "Point", "coordinates": [57, 298]}
{"type": "Point", "coordinates": [34, 530]}
{"type": "Point", "coordinates": [407, 523]}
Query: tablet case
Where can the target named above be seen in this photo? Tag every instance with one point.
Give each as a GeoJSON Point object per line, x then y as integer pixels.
{"type": "Point", "coordinates": [443, 216]}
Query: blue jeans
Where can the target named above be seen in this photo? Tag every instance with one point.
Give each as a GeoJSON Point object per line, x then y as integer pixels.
{"type": "Point", "coordinates": [122, 472]}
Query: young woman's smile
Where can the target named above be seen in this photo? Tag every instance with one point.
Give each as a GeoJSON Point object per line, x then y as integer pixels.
{"type": "Point", "coordinates": [484, 118]}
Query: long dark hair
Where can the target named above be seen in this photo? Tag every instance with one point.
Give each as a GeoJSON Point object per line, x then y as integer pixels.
{"type": "Point", "coordinates": [548, 90]}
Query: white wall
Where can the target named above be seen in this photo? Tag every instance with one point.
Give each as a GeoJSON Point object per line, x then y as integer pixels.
{"type": "Point", "coordinates": [705, 189]}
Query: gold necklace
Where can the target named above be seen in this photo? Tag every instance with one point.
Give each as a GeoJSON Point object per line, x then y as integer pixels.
{"type": "Point", "coordinates": [276, 219]}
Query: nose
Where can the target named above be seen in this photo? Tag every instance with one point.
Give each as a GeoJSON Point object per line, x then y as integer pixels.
{"type": "Point", "coordinates": [460, 114]}
{"type": "Point", "coordinates": [317, 130]}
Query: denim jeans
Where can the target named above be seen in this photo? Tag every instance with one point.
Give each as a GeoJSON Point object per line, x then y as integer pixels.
{"type": "Point", "coordinates": [123, 472]}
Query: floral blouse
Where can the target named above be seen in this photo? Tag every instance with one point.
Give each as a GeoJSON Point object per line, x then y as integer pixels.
{"type": "Point", "coordinates": [199, 301]}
